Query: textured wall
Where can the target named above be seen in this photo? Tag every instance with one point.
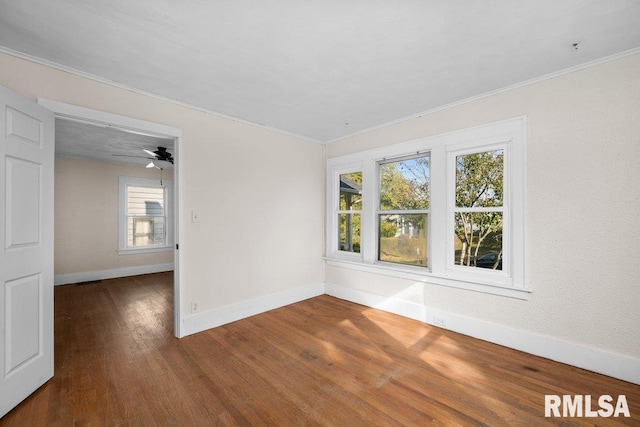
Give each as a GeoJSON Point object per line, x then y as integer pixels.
{"type": "Point", "coordinates": [86, 217]}
{"type": "Point", "coordinates": [259, 192]}
{"type": "Point", "coordinates": [583, 200]}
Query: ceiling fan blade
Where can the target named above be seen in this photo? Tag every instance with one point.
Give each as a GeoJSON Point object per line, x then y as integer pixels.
{"type": "Point", "coordinates": [151, 153]}
{"type": "Point", "coordinates": [137, 157]}
{"type": "Point", "coordinates": [150, 165]}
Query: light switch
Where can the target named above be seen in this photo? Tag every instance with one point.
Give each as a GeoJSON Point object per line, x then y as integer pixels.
{"type": "Point", "coordinates": [195, 216]}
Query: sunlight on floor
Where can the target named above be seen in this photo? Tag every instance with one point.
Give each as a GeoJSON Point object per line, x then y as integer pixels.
{"type": "Point", "coordinates": [142, 314]}
{"type": "Point", "coordinates": [449, 365]}
{"type": "Point", "coordinates": [408, 338]}
{"type": "Point", "coordinates": [333, 352]}
{"type": "Point", "coordinates": [370, 350]}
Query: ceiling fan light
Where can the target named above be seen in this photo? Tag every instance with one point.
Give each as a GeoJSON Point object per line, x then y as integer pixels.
{"type": "Point", "coordinates": [151, 165]}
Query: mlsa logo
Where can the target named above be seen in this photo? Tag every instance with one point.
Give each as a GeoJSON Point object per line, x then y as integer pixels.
{"type": "Point", "coordinates": [580, 406]}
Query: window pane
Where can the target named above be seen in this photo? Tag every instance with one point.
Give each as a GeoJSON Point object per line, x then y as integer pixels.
{"type": "Point", "coordinates": [405, 184]}
{"type": "Point", "coordinates": [403, 239]}
{"type": "Point", "coordinates": [349, 232]}
{"type": "Point", "coordinates": [479, 179]}
{"type": "Point", "coordinates": [142, 231]}
{"type": "Point", "coordinates": [145, 231]}
{"type": "Point", "coordinates": [478, 239]}
{"type": "Point", "coordinates": [145, 201]}
{"type": "Point", "coordinates": [351, 191]}
{"type": "Point", "coordinates": [146, 220]}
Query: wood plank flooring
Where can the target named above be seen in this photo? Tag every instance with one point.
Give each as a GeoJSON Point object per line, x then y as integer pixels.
{"type": "Point", "coordinates": [323, 361]}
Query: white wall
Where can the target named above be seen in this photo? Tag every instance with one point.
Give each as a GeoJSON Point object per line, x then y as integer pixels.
{"type": "Point", "coordinates": [259, 192]}
{"type": "Point", "coordinates": [583, 203]}
{"type": "Point", "coordinates": [86, 217]}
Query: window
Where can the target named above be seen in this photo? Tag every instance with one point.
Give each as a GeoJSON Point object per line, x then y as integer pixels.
{"type": "Point", "coordinates": [403, 210]}
{"type": "Point", "coordinates": [479, 209]}
{"type": "Point", "coordinates": [447, 210]}
{"type": "Point", "coordinates": [146, 216]}
{"type": "Point", "coordinates": [145, 209]}
{"type": "Point", "coordinates": [349, 211]}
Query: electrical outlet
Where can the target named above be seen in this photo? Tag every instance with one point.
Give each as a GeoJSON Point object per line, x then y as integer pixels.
{"type": "Point", "coordinates": [440, 321]}
{"type": "Point", "coordinates": [195, 306]}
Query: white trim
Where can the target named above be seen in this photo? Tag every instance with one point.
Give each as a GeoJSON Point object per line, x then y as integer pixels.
{"type": "Point", "coordinates": [498, 91]}
{"type": "Point", "coordinates": [145, 250]}
{"type": "Point", "coordinates": [509, 135]}
{"type": "Point", "coordinates": [123, 183]}
{"type": "Point", "coordinates": [179, 273]}
{"type": "Point", "coordinates": [333, 199]}
{"type": "Point", "coordinates": [81, 114]}
{"type": "Point", "coordinates": [421, 275]}
{"type": "Point", "coordinates": [99, 79]}
{"type": "Point", "coordinates": [89, 115]}
{"type": "Point", "coordinates": [87, 276]}
{"type": "Point", "coordinates": [532, 81]}
{"type": "Point", "coordinates": [619, 366]}
{"type": "Point", "coordinates": [199, 322]}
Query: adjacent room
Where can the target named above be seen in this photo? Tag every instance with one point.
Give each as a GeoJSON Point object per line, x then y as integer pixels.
{"type": "Point", "coordinates": [113, 203]}
{"type": "Point", "coordinates": [319, 213]}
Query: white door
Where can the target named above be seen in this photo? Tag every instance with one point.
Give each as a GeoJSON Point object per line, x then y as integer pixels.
{"type": "Point", "coordinates": [26, 251]}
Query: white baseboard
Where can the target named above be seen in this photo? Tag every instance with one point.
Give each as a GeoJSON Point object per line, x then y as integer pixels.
{"type": "Point", "coordinates": [88, 276]}
{"type": "Point", "coordinates": [199, 322]}
{"type": "Point", "coordinates": [614, 365]}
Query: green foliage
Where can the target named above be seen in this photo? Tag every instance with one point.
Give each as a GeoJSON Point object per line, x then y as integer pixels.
{"type": "Point", "coordinates": [350, 200]}
{"type": "Point", "coordinates": [355, 177]}
{"type": "Point", "coordinates": [404, 185]}
{"type": "Point", "coordinates": [349, 224]}
{"type": "Point", "coordinates": [479, 183]}
{"type": "Point", "coordinates": [388, 229]}
{"type": "Point", "coordinates": [404, 250]}
{"type": "Point", "coordinates": [479, 179]}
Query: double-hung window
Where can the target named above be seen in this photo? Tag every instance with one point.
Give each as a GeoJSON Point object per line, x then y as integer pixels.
{"type": "Point", "coordinates": [447, 210]}
{"type": "Point", "coordinates": [349, 210]}
{"type": "Point", "coordinates": [145, 215]}
{"type": "Point", "coordinates": [403, 210]}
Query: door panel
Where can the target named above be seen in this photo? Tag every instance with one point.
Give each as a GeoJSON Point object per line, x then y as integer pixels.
{"type": "Point", "coordinates": [23, 322]}
{"type": "Point", "coordinates": [26, 251]}
{"type": "Point", "coordinates": [23, 203]}
{"type": "Point", "coordinates": [23, 126]}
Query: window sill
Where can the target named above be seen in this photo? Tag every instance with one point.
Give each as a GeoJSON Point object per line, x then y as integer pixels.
{"type": "Point", "coordinates": [131, 251]}
{"type": "Point", "coordinates": [432, 278]}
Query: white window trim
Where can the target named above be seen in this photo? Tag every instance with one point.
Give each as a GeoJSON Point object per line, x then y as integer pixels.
{"type": "Point", "coordinates": [123, 183]}
{"type": "Point", "coordinates": [509, 135]}
{"type": "Point", "coordinates": [333, 200]}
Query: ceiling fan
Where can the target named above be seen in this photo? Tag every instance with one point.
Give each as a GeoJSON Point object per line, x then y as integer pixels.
{"type": "Point", "coordinates": [160, 154]}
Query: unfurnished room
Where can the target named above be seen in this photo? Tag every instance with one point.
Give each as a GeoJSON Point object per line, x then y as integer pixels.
{"type": "Point", "coordinates": [319, 213]}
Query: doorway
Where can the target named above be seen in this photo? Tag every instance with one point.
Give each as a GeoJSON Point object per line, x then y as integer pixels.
{"type": "Point", "coordinates": [141, 132]}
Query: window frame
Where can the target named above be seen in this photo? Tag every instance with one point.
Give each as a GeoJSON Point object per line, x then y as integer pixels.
{"type": "Point", "coordinates": [379, 211]}
{"type": "Point", "coordinates": [333, 200]}
{"type": "Point", "coordinates": [124, 182]}
{"type": "Point", "coordinates": [348, 212]}
{"type": "Point", "coordinates": [508, 135]}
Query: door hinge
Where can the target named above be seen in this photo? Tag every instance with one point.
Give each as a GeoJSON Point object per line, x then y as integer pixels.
{"type": "Point", "coordinates": [176, 246]}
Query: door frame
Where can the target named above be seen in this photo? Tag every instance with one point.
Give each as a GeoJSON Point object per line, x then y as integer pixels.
{"type": "Point", "coordinates": [74, 112]}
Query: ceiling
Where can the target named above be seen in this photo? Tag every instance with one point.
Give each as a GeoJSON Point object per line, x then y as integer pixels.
{"type": "Point", "coordinates": [108, 144]}
{"type": "Point", "coordinates": [319, 69]}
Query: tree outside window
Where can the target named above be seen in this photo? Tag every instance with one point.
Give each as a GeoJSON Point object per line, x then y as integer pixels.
{"type": "Point", "coordinates": [479, 209]}
{"type": "Point", "coordinates": [404, 210]}
{"type": "Point", "coordinates": [349, 212]}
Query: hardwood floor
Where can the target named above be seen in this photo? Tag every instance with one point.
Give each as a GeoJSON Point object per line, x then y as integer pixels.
{"type": "Point", "coordinates": [323, 361]}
